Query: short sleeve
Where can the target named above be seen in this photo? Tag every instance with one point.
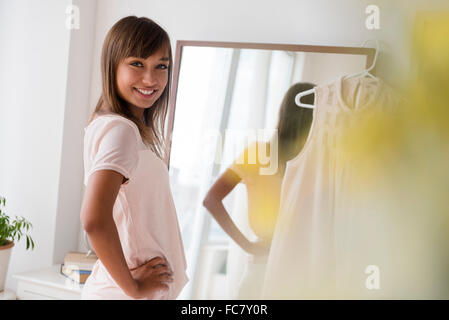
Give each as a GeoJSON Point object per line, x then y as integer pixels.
{"type": "Point", "coordinates": [110, 144]}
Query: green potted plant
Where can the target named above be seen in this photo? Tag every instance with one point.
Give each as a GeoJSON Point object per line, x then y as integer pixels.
{"type": "Point", "coordinates": [10, 230]}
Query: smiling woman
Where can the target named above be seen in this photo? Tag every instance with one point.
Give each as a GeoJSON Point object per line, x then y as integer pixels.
{"type": "Point", "coordinates": [141, 63]}
{"type": "Point", "coordinates": [142, 81]}
{"type": "Point", "coordinates": [128, 212]}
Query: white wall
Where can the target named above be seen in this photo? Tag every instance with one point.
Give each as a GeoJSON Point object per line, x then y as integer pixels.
{"type": "Point", "coordinates": [71, 188]}
{"type": "Point", "coordinates": [46, 94]}
{"type": "Point", "coordinates": [33, 62]}
{"type": "Point", "coordinates": [41, 172]}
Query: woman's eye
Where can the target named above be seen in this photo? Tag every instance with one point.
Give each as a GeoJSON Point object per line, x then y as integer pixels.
{"type": "Point", "coordinates": [162, 66]}
{"type": "Point", "coordinates": [136, 62]}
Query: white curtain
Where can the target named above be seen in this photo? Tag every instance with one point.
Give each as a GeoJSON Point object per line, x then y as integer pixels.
{"type": "Point", "coordinates": [199, 105]}
{"type": "Point", "coordinates": [263, 77]}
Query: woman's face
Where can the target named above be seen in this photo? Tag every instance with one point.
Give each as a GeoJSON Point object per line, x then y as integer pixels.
{"type": "Point", "coordinates": [141, 82]}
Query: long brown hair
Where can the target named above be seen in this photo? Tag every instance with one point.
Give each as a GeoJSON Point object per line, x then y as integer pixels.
{"type": "Point", "coordinates": [136, 37]}
{"type": "Point", "coordinates": [294, 122]}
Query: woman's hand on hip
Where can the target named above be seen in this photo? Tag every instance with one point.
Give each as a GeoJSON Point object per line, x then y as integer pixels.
{"type": "Point", "coordinates": [152, 278]}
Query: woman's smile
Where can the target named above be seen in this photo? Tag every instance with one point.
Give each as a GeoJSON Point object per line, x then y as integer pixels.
{"type": "Point", "coordinates": [145, 93]}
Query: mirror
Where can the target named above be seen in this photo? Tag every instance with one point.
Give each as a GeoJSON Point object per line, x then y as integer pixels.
{"type": "Point", "coordinates": [224, 97]}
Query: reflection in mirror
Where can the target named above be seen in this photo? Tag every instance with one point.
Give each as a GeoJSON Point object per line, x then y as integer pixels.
{"type": "Point", "coordinates": [228, 99]}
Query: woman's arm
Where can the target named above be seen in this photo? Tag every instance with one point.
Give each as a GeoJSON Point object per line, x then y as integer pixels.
{"type": "Point", "coordinates": [98, 222]}
{"type": "Point", "coordinates": [213, 202]}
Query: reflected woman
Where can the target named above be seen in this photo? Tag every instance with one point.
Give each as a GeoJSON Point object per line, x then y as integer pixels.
{"type": "Point", "coordinates": [263, 189]}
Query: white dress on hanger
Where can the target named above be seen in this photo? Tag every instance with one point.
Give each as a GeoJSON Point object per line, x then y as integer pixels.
{"type": "Point", "coordinates": [308, 248]}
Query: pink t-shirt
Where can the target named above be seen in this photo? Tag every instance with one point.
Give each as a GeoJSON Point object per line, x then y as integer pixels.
{"type": "Point", "coordinates": [144, 211]}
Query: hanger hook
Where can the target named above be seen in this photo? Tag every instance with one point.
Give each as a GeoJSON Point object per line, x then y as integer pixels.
{"type": "Point", "coordinates": [375, 55]}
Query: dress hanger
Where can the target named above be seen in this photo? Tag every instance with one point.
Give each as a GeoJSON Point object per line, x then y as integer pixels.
{"type": "Point", "coordinates": [364, 73]}
{"type": "Point", "coordinates": [367, 71]}
{"type": "Point", "coordinates": [358, 74]}
{"type": "Point", "coordinates": [303, 94]}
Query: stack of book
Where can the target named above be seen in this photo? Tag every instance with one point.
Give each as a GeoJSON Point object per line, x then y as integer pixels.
{"type": "Point", "coordinates": [78, 266]}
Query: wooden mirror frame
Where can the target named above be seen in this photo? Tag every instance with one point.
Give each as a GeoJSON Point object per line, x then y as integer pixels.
{"type": "Point", "coordinates": [368, 52]}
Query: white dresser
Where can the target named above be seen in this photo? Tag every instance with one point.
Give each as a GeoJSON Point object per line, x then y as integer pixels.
{"type": "Point", "coordinates": [46, 284]}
